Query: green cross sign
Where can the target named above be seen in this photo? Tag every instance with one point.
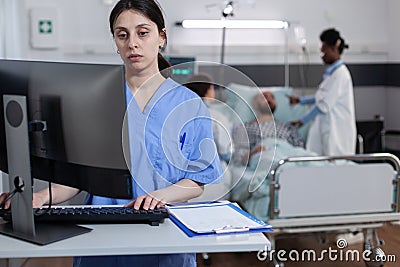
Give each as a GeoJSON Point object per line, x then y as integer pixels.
{"type": "Point", "coordinates": [45, 26]}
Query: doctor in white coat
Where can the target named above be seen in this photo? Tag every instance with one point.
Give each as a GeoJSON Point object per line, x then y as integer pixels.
{"type": "Point", "coordinates": [333, 131]}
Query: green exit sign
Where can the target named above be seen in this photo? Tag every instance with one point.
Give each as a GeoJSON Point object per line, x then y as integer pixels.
{"type": "Point", "coordinates": [45, 26]}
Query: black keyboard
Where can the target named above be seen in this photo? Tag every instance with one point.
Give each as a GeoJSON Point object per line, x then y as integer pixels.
{"type": "Point", "coordinates": [99, 215]}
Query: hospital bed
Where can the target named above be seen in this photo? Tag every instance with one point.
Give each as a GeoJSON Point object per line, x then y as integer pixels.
{"type": "Point", "coordinates": [335, 198]}
{"type": "Point", "coordinates": [311, 194]}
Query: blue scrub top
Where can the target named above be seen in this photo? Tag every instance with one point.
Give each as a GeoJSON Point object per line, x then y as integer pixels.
{"type": "Point", "coordinates": [170, 140]}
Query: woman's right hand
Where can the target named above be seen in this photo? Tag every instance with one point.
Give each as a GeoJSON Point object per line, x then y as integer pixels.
{"type": "Point", "coordinates": [3, 196]}
{"type": "Point", "coordinates": [60, 193]}
{"type": "Point", "coordinates": [297, 123]}
{"type": "Point", "coordinates": [38, 200]}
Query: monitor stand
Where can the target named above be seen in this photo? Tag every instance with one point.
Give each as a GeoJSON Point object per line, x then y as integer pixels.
{"type": "Point", "coordinates": [23, 224]}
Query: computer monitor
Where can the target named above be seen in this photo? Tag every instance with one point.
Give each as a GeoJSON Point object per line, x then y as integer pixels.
{"type": "Point", "coordinates": [74, 114]}
{"type": "Point", "coordinates": [82, 107]}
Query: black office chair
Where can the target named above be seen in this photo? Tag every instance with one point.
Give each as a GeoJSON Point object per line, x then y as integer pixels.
{"type": "Point", "coordinates": [391, 142]}
{"type": "Point", "coordinates": [370, 135]}
{"type": "Point", "coordinates": [373, 138]}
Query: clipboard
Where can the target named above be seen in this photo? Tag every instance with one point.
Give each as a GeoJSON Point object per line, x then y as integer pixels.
{"type": "Point", "coordinates": [215, 218]}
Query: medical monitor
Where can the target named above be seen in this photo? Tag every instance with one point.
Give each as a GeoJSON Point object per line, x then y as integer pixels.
{"type": "Point", "coordinates": [75, 114]}
{"type": "Point", "coordinates": [182, 68]}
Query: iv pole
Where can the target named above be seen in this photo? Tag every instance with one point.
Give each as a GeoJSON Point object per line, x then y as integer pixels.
{"type": "Point", "coordinates": [286, 57]}
{"type": "Point", "coordinates": [227, 11]}
{"type": "Point", "coordinates": [223, 45]}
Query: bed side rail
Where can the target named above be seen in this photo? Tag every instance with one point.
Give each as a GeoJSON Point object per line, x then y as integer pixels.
{"type": "Point", "coordinates": [360, 158]}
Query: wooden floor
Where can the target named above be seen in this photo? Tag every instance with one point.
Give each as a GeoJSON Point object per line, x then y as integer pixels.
{"type": "Point", "coordinates": [389, 233]}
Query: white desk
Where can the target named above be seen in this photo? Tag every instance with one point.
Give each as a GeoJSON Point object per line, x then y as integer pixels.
{"type": "Point", "coordinates": [125, 239]}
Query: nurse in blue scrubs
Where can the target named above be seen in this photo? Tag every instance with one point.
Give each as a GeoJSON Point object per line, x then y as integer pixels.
{"type": "Point", "coordinates": [170, 132]}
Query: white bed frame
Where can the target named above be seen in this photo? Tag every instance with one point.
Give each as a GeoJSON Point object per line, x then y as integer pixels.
{"type": "Point", "coordinates": [335, 197]}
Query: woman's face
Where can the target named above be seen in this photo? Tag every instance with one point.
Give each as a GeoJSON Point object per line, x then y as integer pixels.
{"type": "Point", "coordinates": [138, 40]}
{"type": "Point", "coordinates": [329, 54]}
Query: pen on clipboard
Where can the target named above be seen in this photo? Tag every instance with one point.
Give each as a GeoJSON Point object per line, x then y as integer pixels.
{"type": "Point", "coordinates": [182, 140]}
{"type": "Point", "coordinates": [231, 229]}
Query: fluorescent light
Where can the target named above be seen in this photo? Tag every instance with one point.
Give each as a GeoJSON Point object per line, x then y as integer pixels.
{"type": "Point", "coordinates": [234, 24]}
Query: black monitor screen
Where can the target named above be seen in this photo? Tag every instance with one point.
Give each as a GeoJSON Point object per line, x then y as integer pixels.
{"type": "Point", "coordinates": [75, 114]}
{"type": "Point", "coordinates": [182, 68]}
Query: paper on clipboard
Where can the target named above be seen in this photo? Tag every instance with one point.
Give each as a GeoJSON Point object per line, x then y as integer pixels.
{"type": "Point", "coordinates": [216, 218]}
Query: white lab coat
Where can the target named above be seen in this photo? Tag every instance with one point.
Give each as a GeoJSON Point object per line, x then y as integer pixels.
{"type": "Point", "coordinates": [333, 133]}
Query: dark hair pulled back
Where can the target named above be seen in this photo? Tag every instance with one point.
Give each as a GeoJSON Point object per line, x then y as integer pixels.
{"type": "Point", "coordinates": [331, 37]}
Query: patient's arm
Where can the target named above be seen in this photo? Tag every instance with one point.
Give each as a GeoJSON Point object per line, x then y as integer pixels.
{"type": "Point", "coordinates": [60, 193]}
{"type": "Point", "coordinates": [256, 150]}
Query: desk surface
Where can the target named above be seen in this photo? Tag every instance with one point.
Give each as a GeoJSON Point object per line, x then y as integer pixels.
{"type": "Point", "coordinates": [125, 239]}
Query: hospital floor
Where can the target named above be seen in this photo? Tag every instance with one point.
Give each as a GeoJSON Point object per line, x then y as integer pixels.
{"type": "Point", "coordinates": [389, 233]}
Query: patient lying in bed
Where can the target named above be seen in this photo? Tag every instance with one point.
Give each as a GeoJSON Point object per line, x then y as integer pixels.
{"type": "Point", "coordinates": [258, 146]}
{"type": "Point", "coordinates": [247, 136]}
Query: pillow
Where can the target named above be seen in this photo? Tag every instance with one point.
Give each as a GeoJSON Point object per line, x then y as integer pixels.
{"type": "Point", "coordinates": [240, 98]}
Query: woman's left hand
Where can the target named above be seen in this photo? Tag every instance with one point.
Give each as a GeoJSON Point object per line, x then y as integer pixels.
{"type": "Point", "coordinates": [181, 191]}
{"type": "Point", "coordinates": [148, 201]}
{"type": "Point", "coordinates": [297, 123]}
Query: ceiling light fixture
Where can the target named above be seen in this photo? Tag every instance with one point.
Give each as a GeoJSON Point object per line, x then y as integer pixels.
{"type": "Point", "coordinates": [233, 24]}
{"type": "Point", "coordinates": [228, 9]}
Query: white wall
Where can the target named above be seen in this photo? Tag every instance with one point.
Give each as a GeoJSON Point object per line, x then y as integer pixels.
{"type": "Point", "coordinates": [84, 33]}
{"type": "Point", "coordinates": [11, 38]}
{"type": "Point", "coordinates": [352, 18]}
{"type": "Point", "coordinates": [393, 30]}
{"type": "Point", "coordinates": [370, 101]}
